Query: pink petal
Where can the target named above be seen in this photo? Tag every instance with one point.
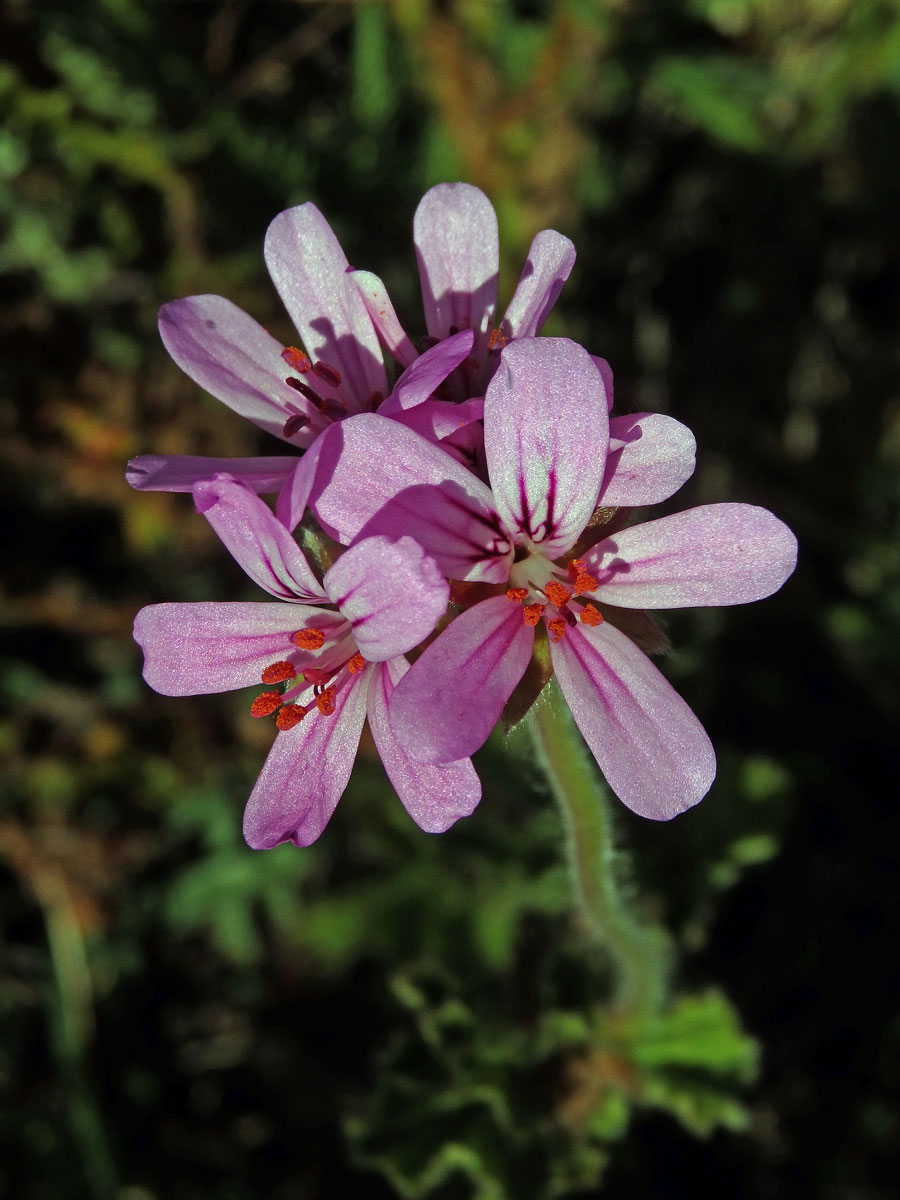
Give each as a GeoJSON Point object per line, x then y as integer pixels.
{"type": "Point", "coordinates": [457, 247]}
{"type": "Point", "coordinates": [454, 693]}
{"type": "Point", "coordinates": [196, 649]}
{"type": "Point", "coordinates": [427, 373]}
{"type": "Point", "coordinates": [434, 796]}
{"type": "Point", "coordinates": [307, 771]}
{"type": "Point", "coordinates": [654, 752]}
{"type": "Point", "coordinates": [650, 457]}
{"type": "Point", "coordinates": [256, 539]}
{"type": "Point", "coordinates": [179, 472]}
{"type": "Point", "coordinates": [545, 438]}
{"type": "Point", "coordinates": [439, 419]}
{"type": "Point", "coordinates": [715, 554]}
{"type": "Point", "coordinates": [233, 358]}
{"type": "Point", "coordinates": [380, 477]}
{"type": "Point", "coordinates": [384, 318]}
{"type": "Point", "coordinates": [309, 269]}
{"type": "Point", "coordinates": [548, 266]}
{"type": "Point", "coordinates": [606, 372]}
{"type": "Point", "coordinates": [391, 592]}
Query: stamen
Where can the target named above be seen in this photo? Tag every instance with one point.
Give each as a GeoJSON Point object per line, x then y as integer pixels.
{"type": "Point", "coordinates": [296, 359]}
{"type": "Point", "coordinates": [557, 629]}
{"type": "Point", "coordinates": [305, 390]}
{"type": "Point", "coordinates": [330, 374]}
{"type": "Point", "coordinates": [278, 672]}
{"type": "Point", "coordinates": [497, 340]}
{"type": "Point", "coordinates": [585, 582]}
{"type": "Point", "coordinates": [356, 663]}
{"type": "Point", "coordinates": [533, 613]}
{"type": "Point", "coordinates": [308, 639]}
{"type": "Point", "coordinates": [265, 704]}
{"type": "Point", "coordinates": [575, 567]}
{"type": "Point", "coordinates": [290, 715]}
{"type": "Point", "coordinates": [517, 594]}
{"type": "Point", "coordinates": [294, 424]}
{"type": "Point", "coordinates": [557, 594]}
{"type": "Point", "coordinates": [591, 615]}
{"type": "Point", "coordinates": [325, 701]}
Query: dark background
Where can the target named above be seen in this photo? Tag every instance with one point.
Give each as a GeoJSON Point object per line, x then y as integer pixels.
{"type": "Point", "coordinates": [390, 1013]}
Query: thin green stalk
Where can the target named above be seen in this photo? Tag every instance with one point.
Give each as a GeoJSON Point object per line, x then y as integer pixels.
{"type": "Point", "coordinates": [639, 951]}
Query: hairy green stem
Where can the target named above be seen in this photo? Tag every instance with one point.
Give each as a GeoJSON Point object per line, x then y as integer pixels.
{"type": "Point", "coordinates": [639, 951]}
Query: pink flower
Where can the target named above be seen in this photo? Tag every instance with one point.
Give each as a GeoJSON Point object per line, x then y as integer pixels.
{"type": "Point", "coordinates": [338, 647]}
{"type": "Point", "coordinates": [340, 315]}
{"type": "Point", "coordinates": [286, 392]}
{"type": "Point", "coordinates": [527, 533]}
{"type": "Point", "coordinates": [458, 254]}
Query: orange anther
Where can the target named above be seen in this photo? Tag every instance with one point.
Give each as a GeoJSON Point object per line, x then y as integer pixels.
{"type": "Point", "coordinates": [557, 628]}
{"type": "Point", "coordinates": [356, 663]}
{"type": "Point", "coordinates": [557, 594]}
{"type": "Point", "coordinates": [265, 703]}
{"type": "Point", "coordinates": [575, 567]}
{"type": "Point", "coordinates": [325, 702]}
{"type": "Point", "coordinates": [585, 582]}
{"type": "Point", "coordinates": [308, 639]}
{"type": "Point", "coordinates": [497, 339]}
{"type": "Point", "coordinates": [289, 715]}
{"type": "Point", "coordinates": [591, 615]}
{"type": "Point", "coordinates": [516, 594]}
{"type": "Point", "coordinates": [278, 672]}
{"type": "Point", "coordinates": [296, 359]}
{"type": "Point", "coordinates": [533, 613]}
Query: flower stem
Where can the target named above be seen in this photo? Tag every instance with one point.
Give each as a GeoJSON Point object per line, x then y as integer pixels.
{"type": "Point", "coordinates": [640, 951]}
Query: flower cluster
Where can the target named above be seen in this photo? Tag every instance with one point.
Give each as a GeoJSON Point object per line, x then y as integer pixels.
{"type": "Point", "coordinates": [477, 514]}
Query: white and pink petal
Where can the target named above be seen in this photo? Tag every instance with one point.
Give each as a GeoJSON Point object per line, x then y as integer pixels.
{"type": "Point", "coordinates": [391, 592]}
{"type": "Point", "coordinates": [434, 796]}
{"type": "Point", "coordinates": [307, 770]}
{"type": "Point", "coordinates": [233, 358]}
{"type": "Point", "coordinates": [309, 269]}
{"type": "Point", "coordinates": [547, 267]}
{"type": "Point", "coordinates": [180, 472]}
{"type": "Point", "coordinates": [715, 554]}
{"type": "Point", "coordinates": [653, 751]}
{"type": "Point", "coordinates": [256, 539]}
{"type": "Point", "coordinates": [545, 437]}
{"type": "Point", "coordinates": [650, 457]}
{"type": "Point", "coordinates": [452, 697]}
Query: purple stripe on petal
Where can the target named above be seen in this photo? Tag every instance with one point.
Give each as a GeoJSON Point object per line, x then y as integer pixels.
{"type": "Point", "coordinates": [457, 247]}
{"type": "Point", "coordinates": [309, 269]}
{"type": "Point", "coordinates": [257, 540]}
{"type": "Point", "coordinates": [712, 555]}
{"type": "Point", "coordinates": [385, 479]}
{"type": "Point", "coordinates": [655, 754]}
{"type": "Point", "coordinates": [180, 472]}
{"type": "Point", "coordinates": [545, 439]}
{"type": "Point", "coordinates": [548, 266]}
{"type": "Point", "coordinates": [232, 357]}
{"type": "Point", "coordinates": [307, 770]}
{"type": "Point", "coordinates": [197, 649]}
{"type": "Point", "coordinates": [434, 796]}
{"type": "Point", "coordinates": [454, 693]}
{"type": "Point", "coordinates": [650, 457]}
{"type": "Point", "coordinates": [391, 592]}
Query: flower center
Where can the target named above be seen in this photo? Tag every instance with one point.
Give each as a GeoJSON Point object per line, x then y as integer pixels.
{"type": "Point", "coordinates": [323, 680]}
{"type": "Point", "coordinates": [538, 585]}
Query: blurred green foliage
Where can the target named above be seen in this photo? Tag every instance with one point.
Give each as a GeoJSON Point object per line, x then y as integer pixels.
{"type": "Point", "coordinates": [390, 1013]}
